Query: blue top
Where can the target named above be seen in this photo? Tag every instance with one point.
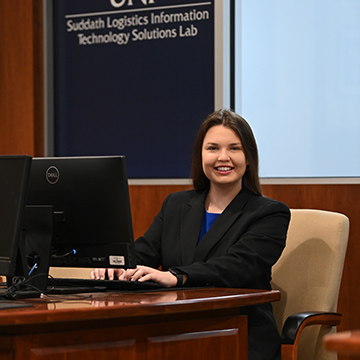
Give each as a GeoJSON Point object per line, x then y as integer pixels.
{"type": "Point", "coordinates": [207, 220]}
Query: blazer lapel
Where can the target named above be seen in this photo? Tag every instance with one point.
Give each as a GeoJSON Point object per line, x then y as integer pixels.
{"type": "Point", "coordinates": [191, 217]}
{"type": "Point", "coordinates": [221, 225]}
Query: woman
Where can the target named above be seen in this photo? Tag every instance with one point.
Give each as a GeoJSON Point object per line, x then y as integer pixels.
{"type": "Point", "coordinates": [224, 232]}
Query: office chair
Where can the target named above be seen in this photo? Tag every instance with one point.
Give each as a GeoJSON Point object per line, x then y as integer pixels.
{"type": "Point", "coordinates": [308, 274]}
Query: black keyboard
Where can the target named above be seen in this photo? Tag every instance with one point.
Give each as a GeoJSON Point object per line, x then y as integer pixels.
{"type": "Point", "coordinates": [99, 285]}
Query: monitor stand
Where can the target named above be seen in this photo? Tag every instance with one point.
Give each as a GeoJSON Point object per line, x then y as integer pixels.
{"type": "Point", "coordinates": [32, 267]}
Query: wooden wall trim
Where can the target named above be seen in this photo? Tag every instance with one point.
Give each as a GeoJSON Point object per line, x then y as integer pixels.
{"type": "Point", "coordinates": [21, 77]}
{"type": "Point", "coordinates": [39, 78]}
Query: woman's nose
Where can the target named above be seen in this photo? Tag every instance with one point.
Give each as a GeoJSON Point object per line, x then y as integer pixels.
{"type": "Point", "coordinates": [224, 155]}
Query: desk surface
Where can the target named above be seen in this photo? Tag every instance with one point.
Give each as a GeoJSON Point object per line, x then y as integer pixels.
{"type": "Point", "coordinates": [69, 308]}
{"type": "Point", "coordinates": [346, 342]}
{"type": "Point", "coordinates": [202, 323]}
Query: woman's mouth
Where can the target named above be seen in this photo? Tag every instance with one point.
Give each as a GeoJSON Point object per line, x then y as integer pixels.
{"type": "Point", "coordinates": [224, 169]}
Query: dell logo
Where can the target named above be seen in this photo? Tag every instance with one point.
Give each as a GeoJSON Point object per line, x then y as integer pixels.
{"type": "Point", "coordinates": [52, 175]}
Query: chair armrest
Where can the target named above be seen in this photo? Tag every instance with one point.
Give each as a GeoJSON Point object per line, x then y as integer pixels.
{"type": "Point", "coordinates": [295, 323]}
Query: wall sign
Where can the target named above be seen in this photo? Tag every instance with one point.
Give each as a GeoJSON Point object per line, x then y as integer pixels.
{"type": "Point", "coordinates": [133, 77]}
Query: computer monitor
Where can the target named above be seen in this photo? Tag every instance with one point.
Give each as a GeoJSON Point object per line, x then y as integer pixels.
{"type": "Point", "coordinates": [14, 174]}
{"type": "Point", "coordinates": [92, 225]}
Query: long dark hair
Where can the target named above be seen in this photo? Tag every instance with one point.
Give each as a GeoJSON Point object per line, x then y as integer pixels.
{"type": "Point", "coordinates": [243, 130]}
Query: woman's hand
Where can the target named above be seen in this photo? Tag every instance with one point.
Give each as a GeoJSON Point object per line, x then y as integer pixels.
{"type": "Point", "coordinates": [99, 274]}
{"type": "Point", "coordinates": [140, 273]}
{"type": "Point", "coordinates": [144, 273]}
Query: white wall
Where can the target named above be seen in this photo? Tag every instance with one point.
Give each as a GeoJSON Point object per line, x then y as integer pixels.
{"type": "Point", "coordinates": [298, 84]}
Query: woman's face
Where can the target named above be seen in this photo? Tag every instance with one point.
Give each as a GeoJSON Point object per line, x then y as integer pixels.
{"type": "Point", "coordinates": [223, 157]}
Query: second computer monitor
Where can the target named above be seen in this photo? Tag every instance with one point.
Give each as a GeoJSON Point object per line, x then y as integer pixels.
{"type": "Point", "coordinates": [14, 173]}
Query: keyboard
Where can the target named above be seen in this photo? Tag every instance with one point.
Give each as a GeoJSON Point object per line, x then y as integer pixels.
{"type": "Point", "coordinates": [102, 285]}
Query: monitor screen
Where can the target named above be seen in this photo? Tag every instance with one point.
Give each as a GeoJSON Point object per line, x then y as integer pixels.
{"type": "Point", "coordinates": [14, 172]}
{"type": "Point", "coordinates": [92, 225]}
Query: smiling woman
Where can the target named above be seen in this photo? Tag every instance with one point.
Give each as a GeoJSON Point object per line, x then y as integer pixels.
{"type": "Point", "coordinates": [223, 232]}
{"type": "Point", "coordinates": [223, 160]}
{"type": "Point", "coordinates": [236, 135]}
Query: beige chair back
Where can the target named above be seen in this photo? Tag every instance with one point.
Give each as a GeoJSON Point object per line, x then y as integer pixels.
{"type": "Point", "coordinates": [309, 272]}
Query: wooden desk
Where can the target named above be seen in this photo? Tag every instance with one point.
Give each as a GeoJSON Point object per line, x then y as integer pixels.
{"type": "Point", "coordinates": [344, 343]}
{"type": "Point", "coordinates": [182, 324]}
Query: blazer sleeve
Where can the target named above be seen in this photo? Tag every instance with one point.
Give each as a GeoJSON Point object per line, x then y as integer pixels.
{"type": "Point", "coordinates": [148, 246]}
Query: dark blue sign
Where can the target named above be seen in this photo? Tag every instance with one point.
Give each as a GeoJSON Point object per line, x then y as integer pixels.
{"type": "Point", "coordinates": [133, 77]}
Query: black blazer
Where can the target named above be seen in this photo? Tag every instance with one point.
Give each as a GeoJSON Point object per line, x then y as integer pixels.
{"type": "Point", "coordinates": [237, 251]}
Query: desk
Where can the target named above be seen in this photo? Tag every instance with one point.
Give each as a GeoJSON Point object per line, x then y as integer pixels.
{"type": "Point", "coordinates": [345, 343]}
{"type": "Point", "coordinates": [177, 324]}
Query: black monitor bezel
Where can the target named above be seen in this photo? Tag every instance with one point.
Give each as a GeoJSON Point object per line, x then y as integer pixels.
{"type": "Point", "coordinates": [38, 179]}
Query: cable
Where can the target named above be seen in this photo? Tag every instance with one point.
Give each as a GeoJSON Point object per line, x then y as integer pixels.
{"type": "Point", "coordinates": [72, 252]}
{"type": "Point", "coordinates": [21, 288]}
{"type": "Point", "coordinates": [32, 269]}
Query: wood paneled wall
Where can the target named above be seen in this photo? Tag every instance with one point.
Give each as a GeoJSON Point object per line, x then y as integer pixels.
{"type": "Point", "coordinates": [21, 77]}
{"type": "Point", "coordinates": [146, 201]}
